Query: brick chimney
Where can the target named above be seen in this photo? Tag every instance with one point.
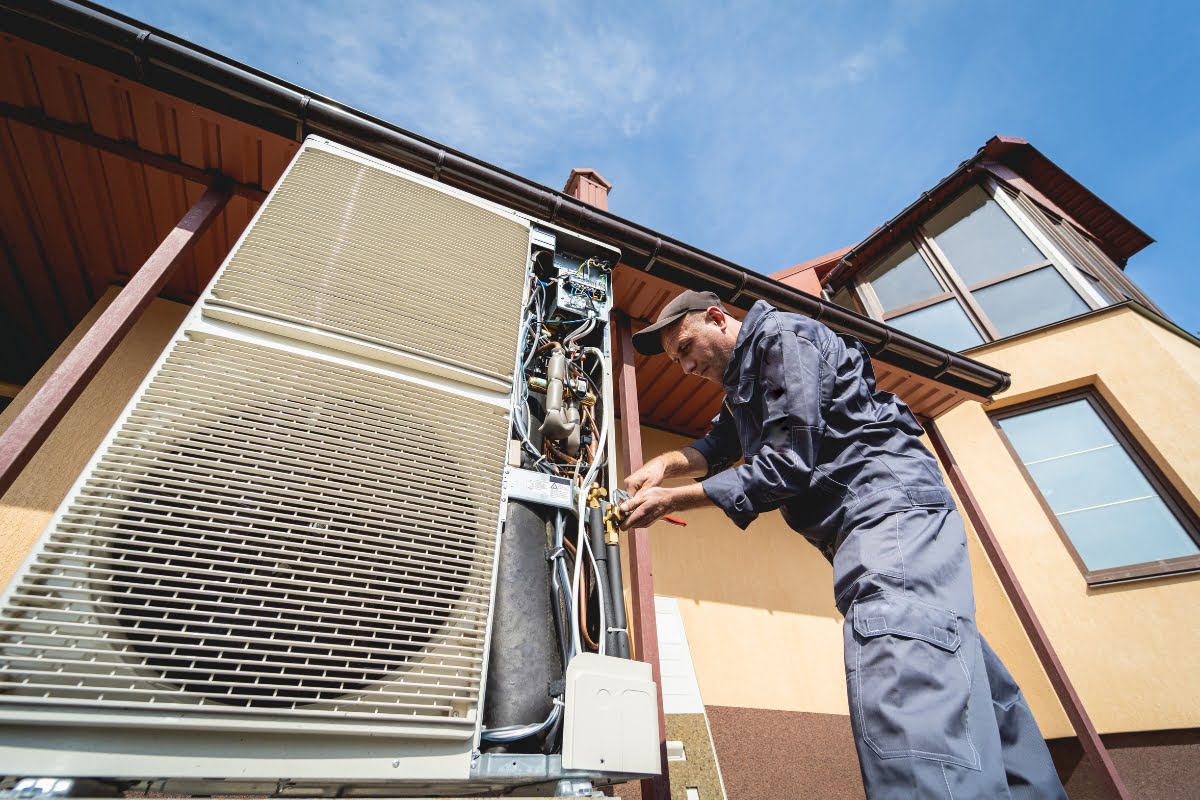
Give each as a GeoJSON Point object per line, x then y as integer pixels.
{"type": "Point", "coordinates": [588, 186]}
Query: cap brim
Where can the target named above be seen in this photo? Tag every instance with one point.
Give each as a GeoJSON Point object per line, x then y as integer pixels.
{"type": "Point", "coordinates": [648, 341]}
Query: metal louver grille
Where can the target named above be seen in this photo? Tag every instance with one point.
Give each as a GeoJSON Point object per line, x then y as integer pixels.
{"type": "Point", "coordinates": [351, 248]}
{"type": "Point", "coordinates": [269, 532]}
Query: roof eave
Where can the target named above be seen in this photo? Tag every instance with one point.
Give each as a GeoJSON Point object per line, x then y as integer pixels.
{"type": "Point", "coordinates": [165, 62]}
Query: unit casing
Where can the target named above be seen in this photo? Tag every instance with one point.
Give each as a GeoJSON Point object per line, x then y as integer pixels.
{"type": "Point", "coordinates": [277, 571]}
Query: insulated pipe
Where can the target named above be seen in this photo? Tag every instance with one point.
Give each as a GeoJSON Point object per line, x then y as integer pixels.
{"type": "Point", "coordinates": [616, 590]}
{"type": "Point", "coordinates": [559, 423]}
{"type": "Point", "coordinates": [603, 589]}
{"type": "Point", "coordinates": [124, 46]}
{"type": "Point", "coordinates": [524, 659]}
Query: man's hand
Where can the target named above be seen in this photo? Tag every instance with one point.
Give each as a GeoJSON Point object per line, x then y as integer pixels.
{"type": "Point", "coordinates": [651, 504]}
{"type": "Point", "coordinates": [685, 463]}
{"type": "Point", "coordinates": [649, 476]}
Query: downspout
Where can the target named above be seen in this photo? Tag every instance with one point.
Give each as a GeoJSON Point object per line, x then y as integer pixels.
{"type": "Point", "coordinates": [1093, 746]}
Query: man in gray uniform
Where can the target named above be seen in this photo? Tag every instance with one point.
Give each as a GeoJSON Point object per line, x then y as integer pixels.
{"type": "Point", "coordinates": [933, 710]}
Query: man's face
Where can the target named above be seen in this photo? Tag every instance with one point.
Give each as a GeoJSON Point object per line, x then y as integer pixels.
{"type": "Point", "coordinates": [701, 344]}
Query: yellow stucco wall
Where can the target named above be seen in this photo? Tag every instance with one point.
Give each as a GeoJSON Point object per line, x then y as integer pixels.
{"type": "Point", "coordinates": [760, 619]}
{"type": "Point", "coordinates": [1132, 650]}
{"type": "Point", "coordinates": [27, 506]}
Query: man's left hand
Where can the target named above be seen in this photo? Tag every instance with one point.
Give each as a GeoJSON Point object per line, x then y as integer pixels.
{"type": "Point", "coordinates": [651, 504]}
{"type": "Point", "coordinates": [646, 507]}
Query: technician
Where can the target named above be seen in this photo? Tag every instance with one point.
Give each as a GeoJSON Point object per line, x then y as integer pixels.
{"type": "Point", "coordinates": [934, 711]}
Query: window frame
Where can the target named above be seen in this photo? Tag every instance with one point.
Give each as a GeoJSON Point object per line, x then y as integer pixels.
{"type": "Point", "coordinates": [1183, 512]}
{"type": "Point", "coordinates": [955, 288]}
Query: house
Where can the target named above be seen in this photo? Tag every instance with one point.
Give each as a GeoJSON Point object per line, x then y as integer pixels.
{"type": "Point", "coordinates": [996, 305]}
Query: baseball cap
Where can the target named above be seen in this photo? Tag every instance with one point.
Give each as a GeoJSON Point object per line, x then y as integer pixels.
{"type": "Point", "coordinates": [648, 341]}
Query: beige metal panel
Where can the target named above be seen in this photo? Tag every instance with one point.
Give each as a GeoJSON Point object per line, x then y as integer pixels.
{"type": "Point", "coordinates": [353, 248]}
{"type": "Point", "coordinates": [269, 533]}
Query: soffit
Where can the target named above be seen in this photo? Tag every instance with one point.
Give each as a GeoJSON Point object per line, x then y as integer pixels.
{"type": "Point", "coordinates": [76, 218]}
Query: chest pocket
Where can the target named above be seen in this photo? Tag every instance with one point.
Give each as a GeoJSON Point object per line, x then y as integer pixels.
{"type": "Point", "coordinates": [746, 408]}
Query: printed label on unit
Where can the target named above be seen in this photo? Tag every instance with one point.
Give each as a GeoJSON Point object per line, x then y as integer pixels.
{"type": "Point", "coordinates": [538, 487]}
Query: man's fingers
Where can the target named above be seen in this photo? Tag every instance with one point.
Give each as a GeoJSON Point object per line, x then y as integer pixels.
{"type": "Point", "coordinates": [644, 509]}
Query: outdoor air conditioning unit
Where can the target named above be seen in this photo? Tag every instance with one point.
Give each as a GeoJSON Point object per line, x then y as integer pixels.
{"type": "Point", "coordinates": [350, 536]}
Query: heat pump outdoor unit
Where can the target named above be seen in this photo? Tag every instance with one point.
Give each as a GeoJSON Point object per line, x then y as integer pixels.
{"type": "Point", "coordinates": [352, 535]}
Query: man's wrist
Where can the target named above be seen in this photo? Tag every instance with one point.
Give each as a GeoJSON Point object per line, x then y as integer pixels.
{"type": "Point", "coordinates": [683, 498]}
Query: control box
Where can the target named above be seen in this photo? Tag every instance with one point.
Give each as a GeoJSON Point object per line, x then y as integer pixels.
{"type": "Point", "coordinates": [583, 284]}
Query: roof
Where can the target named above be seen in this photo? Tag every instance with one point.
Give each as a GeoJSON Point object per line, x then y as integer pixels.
{"type": "Point", "coordinates": [822, 265]}
{"type": "Point", "coordinates": [1019, 164]}
{"type": "Point", "coordinates": [105, 107]}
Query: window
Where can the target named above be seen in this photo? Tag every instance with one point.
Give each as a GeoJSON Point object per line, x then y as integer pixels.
{"type": "Point", "coordinates": [846, 298]}
{"type": "Point", "coordinates": [972, 274]}
{"type": "Point", "coordinates": [1118, 516]}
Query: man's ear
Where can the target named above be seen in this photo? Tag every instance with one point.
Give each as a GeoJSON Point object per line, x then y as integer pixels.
{"type": "Point", "coordinates": [716, 316]}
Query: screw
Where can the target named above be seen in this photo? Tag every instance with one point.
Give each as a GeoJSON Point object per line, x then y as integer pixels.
{"type": "Point", "coordinates": [396, 763]}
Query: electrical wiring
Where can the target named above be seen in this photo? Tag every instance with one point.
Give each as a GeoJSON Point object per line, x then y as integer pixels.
{"type": "Point", "coordinates": [513, 733]}
{"type": "Point", "coordinates": [603, 622]}
{"type": "Point", "coordinates": [581, 513]}
{"type": "Point", "coordinates": [585, 592]}
{"type": "Point", "coordinates": [560, 527]}
{"type": "Point", "coordinates": [575, 569]}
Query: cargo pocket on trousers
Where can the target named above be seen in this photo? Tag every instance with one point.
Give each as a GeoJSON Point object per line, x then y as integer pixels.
{"type": "Point", "coordinates": [909, 685]}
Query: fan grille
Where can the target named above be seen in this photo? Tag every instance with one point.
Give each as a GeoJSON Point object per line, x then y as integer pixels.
{"type": "Point", "coordinates": [270, 532]}
{"type": "Point", "coordinates": [353, 249]}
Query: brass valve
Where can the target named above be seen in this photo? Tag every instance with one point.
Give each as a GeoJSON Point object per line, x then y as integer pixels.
{"type": "Point", "coordinates": [594, 494]}
{"type": "Point", "coordinates": [612, 522]}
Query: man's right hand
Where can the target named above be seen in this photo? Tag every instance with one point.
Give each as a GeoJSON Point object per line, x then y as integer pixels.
{"type": "Point", "coordinates": [685, 463]}
{"type": "Point", "coordinates": [650, 475]}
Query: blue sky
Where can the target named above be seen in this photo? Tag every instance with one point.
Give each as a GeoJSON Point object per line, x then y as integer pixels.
{"type": "Point", "coordinates": [768, 133]}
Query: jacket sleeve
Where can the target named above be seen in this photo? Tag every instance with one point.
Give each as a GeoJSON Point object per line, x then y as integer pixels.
{"type": "Point", "coordinates": [720, 447]}
{"type": "Point", "coordinates": [794, 385]}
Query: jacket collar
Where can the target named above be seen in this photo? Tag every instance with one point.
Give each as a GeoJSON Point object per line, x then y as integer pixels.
{"type": "Point", "coordinates": [754, 318]}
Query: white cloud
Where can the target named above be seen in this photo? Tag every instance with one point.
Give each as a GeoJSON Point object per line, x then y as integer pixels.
{"type": "Point", "coordinates": [864, 63]}
{"type": "Point", "coordinates": [496, 80]}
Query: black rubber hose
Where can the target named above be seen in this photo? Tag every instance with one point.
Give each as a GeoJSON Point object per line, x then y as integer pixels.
{"type": "Point", "coordinates": [616, 590]}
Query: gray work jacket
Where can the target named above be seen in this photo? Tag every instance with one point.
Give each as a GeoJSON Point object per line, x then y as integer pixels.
{"type": "Point", "coordinates": [819, 442]}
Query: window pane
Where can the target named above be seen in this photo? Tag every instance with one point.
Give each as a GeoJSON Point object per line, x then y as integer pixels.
{"type": "Point", "coordinates": [1112, 477]}
{"type": "Point", "coordinates": [980, 239]}
{"type": "Point", "coordinates": [944, 324]}
{"type": "Point", "coordinates": [903, 278]}
{"type": "Point", "coordinates": [1100, 288]}
{"type": "Point", "coordinates": [1106, 504]}
{"type": "Point", "coordinates": [1050, 432]}
{"type": "Point", "coordinates": [1030, 301]}
{"type": "Point", "coordinates": [1131, 533]}
{"type": "Point", "coordinates": [845, 298]}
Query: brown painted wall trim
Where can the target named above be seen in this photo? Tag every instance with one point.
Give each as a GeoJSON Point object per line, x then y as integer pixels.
{"type": "Point", "coordinates": [26, 433]}
{"type": "Point", "coordinates": [1084, 729]}
{"type": "Point", "coordinates": [641, 572]}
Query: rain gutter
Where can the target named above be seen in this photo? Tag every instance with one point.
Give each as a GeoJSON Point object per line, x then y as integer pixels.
{"type": "Point", "coordinates": [164, 62]}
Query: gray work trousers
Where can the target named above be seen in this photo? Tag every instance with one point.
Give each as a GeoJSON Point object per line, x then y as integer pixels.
{"type": "Point", "coordinates": [935, 714]}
